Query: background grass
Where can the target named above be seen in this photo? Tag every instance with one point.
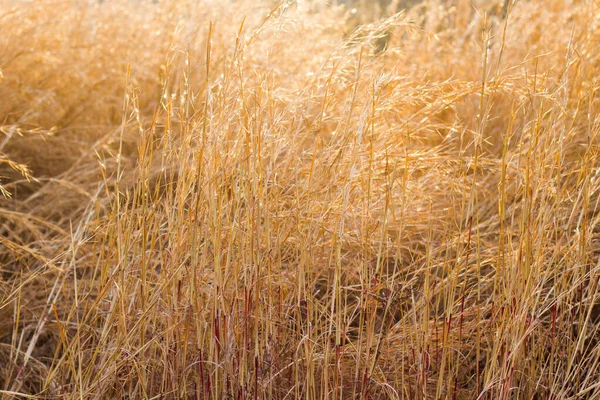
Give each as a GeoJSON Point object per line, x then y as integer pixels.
{"type": "Point", "coordinates": [254, 201]}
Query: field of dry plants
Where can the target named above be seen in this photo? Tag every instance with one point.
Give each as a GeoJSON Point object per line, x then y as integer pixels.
{"type": "Point", "coordinates": [244, 200]}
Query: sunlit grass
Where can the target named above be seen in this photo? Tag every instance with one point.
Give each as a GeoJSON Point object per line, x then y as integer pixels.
{"type": "Point", "coordinates": [253, 201]}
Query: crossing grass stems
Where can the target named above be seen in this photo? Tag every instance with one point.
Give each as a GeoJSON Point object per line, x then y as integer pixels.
{"type": "Point", "coordinates": [233, 200]}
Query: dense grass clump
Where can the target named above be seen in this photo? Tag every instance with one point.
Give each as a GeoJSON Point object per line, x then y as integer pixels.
{"type": "Point", "coordinates": [241, 200]}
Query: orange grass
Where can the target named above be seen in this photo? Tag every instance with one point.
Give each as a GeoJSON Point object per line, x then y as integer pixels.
{"type": "Point", "coordinates": [241, 200]}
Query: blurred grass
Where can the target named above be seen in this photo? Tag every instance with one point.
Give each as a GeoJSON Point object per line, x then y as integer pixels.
{"type": "Point", "coordinates": [240, 200]}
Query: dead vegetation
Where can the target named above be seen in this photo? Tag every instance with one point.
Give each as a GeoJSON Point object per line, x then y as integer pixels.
{"type": "Point", "coordinates": [227, 200]}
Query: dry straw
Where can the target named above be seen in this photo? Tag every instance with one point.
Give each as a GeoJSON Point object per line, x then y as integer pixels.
{"type": "Point", "coordinates": [248, 201]}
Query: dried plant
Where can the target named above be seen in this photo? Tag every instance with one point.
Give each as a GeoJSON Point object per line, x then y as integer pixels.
{"type": "Point", "coordinates": [235, 199]}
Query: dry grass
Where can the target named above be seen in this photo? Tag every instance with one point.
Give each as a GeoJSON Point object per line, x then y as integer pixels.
{"type": "Point", "coordinates": [223, 200]}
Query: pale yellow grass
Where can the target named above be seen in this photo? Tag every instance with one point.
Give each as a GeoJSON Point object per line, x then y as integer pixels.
{"type": "Point", "coordinates": [238, 200]}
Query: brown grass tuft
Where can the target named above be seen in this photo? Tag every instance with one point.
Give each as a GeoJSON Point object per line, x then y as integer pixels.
{"type": "Point", "coordinates": [252, 201]}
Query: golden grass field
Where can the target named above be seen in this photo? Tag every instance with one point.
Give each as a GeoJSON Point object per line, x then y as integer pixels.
{"type": "Point", "coordinates": [244, 200]}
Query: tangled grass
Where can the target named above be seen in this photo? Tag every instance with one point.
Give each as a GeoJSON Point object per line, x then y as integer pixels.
{"type": "Point", "coordinates": [239, 200]}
